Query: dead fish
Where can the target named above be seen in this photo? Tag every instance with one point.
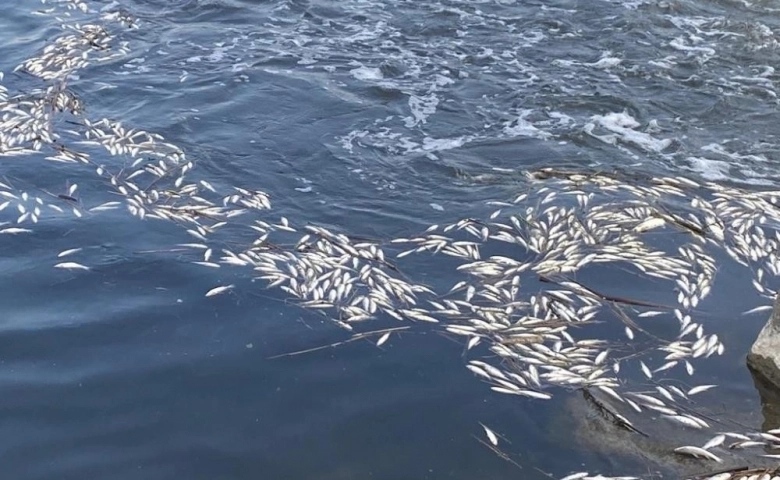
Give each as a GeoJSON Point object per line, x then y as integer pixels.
{"type": "Point", "coordinates": [382, 339]}
{"type": "Point", "coordinates": [699, 389]}
{"type": "Point", "coordinates": [687, 421]}
{"type": "Point", "coordinates": [697, 452]}
{"type": "Point", "coordinates": [71, 251]}
{"type": "Point", "coordinates": [218, 290]}
{"type": "Point", "coordinates": [715, 441]}
{"type": "Point", "coordinates": [71, 266]}
{"type": "Point", "coordinates": [646, 370]}
{"type": "Point", "coordinates": [490, 435]}
{"type": "Point", "coordinates": [762, 308]}
{"type": "Point", "coordinates": [208, 264]}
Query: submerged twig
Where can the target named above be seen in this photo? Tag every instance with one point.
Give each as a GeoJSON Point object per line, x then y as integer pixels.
{"type": "Point", "coordinates": [356, 337]}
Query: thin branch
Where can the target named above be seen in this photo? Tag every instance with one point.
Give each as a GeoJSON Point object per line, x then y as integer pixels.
{"type": "Point", "coordinates": [357, 336]}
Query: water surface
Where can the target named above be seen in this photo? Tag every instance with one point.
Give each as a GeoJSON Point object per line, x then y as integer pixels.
{"type": "Point", "coordinates": [377, 119]}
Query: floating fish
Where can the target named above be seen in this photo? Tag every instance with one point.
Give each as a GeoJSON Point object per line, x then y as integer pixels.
{"type": "Point", "coordinates": [71, 266]}
{"type": "Point", "coordinates": [218, 290]}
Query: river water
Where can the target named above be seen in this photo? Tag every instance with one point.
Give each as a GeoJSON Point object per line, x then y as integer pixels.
{"type": "Point", "coordinates": [375, 118]}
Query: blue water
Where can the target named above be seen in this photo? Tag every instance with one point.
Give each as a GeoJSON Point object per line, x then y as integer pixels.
{"type": "Point", "coordinates": [378, 119]}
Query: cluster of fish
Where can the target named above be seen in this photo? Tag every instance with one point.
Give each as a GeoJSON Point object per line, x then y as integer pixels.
{"type": "Point", "coordinates": [745, 474]}
{"type": "Point", "coordinates": [732, 474]}
{"type": "Point", "coordinates": [518, 294]}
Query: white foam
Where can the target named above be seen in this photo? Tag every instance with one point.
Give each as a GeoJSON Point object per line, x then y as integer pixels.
{"type": "Point", "coordinates": [217, 55]}
{"type": "Point", "coordinates": [766, 82]}
{"type": "Point", "coordinates": [739, 159]}
{"type": "Point", "coordinates": [442, 80]}
{"type": "Point", "coordinates": [719, 170]}
{"type": "Point", "coordinates": [562, 118]}
{"type": "Point", "coordinates": [565, 63]}
{"type": "Point", "coordinates": [624, 126]}
{"type": "Point", "coordinates": [666, 63]}
{"type": "Point", "coordinates": [679, 44]}
{"type": "Point", "coordinates": [422, 107]}
{"type": "Point", "coordinates": [532, 37]}
{"type": "Point", "coordinates": [366, 73]}
{"type": "Point", "coordinates": [439, 144]}
{"type": "Point", "coordinates": [710, 169]}
{"type": "Point", "coordinates": [348, 140]}
{"type": "Point", "coordinates": [523, 128]}
{"type": "Point", "coordinates": [606, 62]}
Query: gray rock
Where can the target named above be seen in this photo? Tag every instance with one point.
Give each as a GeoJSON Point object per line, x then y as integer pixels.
{"type": "Point", "coordinates": [764, 356]}
{"type": "Point", "coordinates": [770, 400]}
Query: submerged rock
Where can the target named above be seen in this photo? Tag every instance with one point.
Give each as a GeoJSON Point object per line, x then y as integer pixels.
{"type": "Point", "coordinates": [764, 356]}
{"type": "Point", "coordinates": [650, 448]}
